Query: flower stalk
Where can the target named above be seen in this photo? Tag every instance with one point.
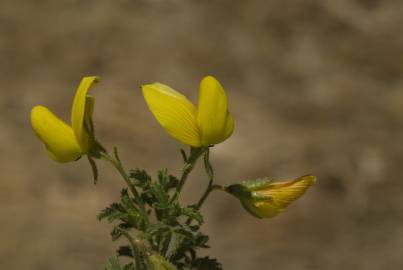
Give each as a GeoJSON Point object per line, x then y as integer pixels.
{"type": "Point", "coordinates": [190, 162]}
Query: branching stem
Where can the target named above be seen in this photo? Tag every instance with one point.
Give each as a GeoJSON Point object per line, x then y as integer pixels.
{"type": "Point", "coordinates": [210, 187]}
{"type": "Point", "coordinates": [135, 246]}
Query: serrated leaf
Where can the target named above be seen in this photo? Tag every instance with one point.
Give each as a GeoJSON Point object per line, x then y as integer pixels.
{"type": "Point", "coordinates": [115, 234]}
{"type": "Point", "coordinates": [201, 240]}
{"type": "Point", "coordinates": [193, 213]}
{"type": "Point", "coordinates": [127, 202]}
{"type": "Point", "coordinates": [113, 264]}
{"type": "Point", "coordinates": [157, 262]}
{"type": "Point", "coordinates": [160, 194]}
{"type": "Point", "coordinates": [140, 177]}
{"type": "Point", "coordinates": [157, 228]}
{"type": "Point", "coordinates": [174, 244]}
{"type": "Point", "coordinates": [207, 263]}
{"type": "Point", "coordinates": [113, 212]}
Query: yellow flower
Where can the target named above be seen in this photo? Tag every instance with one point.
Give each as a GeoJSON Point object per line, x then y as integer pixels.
{"type": "Point", "coordinates": [210, 123]}
{"type": "Point", "coordinates": [64, 142]}
{"type": "Point", "coordinates": [265, 199]}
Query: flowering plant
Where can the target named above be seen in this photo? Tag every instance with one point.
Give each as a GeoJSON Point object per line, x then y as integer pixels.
{"type": "Point", "coordinates": [161, 232]}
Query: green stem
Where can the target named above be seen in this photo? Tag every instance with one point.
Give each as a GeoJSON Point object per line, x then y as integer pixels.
{"type": "Point", "coordinates": [119, 167]}
{"type": "Point", "coordinates": [195, 153]}
{"type": "Point", "coordinates": [135, 246]}
{"type": "Point", "coordinates": [210, 186]}
{"type": "Point", "coordinates": [209, 189]}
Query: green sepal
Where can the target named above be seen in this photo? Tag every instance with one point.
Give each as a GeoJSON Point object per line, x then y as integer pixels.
{"type": "Point", "coordinates": [260, 197]}
{"type": "Point", "coordinates": [257, 184]}
{"type": "Point", "coordinates": [239, 191]}
{"type": "Point", "coordinates": [249, 207]}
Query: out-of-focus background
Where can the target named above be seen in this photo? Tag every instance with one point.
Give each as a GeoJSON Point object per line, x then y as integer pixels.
{"type": "Point", "coordinates": [314, 87]}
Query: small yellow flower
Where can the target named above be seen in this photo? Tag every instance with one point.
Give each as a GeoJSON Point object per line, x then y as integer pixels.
{"type": "Point", "coordinates": [210, 123]}
{"type": "Point", "coordinates": [265, 199]}
{"type": "Point", "coordinates": [64, 142]}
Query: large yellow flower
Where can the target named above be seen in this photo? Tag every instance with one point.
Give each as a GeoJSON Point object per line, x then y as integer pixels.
{"type": "Point", "coordinates": [264, 198]}
{"type": "Point", "coordinates": [64, 142]}
{"type": "Point", "coordinates": [210, 123]}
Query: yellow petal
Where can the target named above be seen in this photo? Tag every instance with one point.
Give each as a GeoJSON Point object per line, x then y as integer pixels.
{"type": "Point", "coordinates": [281, 195]}
{"type": "Point", "coordinates": [215, 122]}
{"type": "Point", "coordinates": [229, 126]}
{"type": "Point", "coordinates": [57, 136]}
{"type": "Point", "coordinates": [79, 114]}
{"type": "Point", "coordinates": [175, 113]}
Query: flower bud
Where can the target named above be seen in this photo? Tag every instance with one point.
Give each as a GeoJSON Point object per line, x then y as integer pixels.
{"type": "Point", "coordinates": [264, 198]}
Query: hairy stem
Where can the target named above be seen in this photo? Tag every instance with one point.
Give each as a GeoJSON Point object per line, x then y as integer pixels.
{"type": "Point", "coordinates": [136, 249]}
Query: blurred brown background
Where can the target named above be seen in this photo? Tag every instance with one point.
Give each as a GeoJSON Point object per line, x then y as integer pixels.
{"type": "Point", "coordinates": [314, 87]}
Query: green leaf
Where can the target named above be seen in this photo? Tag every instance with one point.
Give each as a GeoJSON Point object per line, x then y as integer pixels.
{"type": "Point", "coordinates": [174, 244]}
{"type": "Point", "coordinates": [201, 240]}
{"type": "Point", "coordinates": [193, 213]}
{"type": "Point", "coordinates": [157, 228]}
{"type": "Point", "coordinates": [160, 194]}
{"type": "Point", "coordinates": [126, 212]}
{"type": "Point", "coordinates": [166, 180]}
{"type": "Point", "coordinates": [207, 263]}
{"type": "Point", "coordinates": [140, 177]}
{"type": "Point", "coordinates": [115, 234]}
{"type": "Point", "coordinates": [113, 212]}
{"type": "Point", "coordinates": [113, 264]}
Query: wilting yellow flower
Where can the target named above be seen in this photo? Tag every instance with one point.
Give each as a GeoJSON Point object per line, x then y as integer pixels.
{"type": "Point", "coordinates": [210, 123]}
{"type": "Point", "coordinates": [264, 198]}
{"type": "Point", "coordinates": [64, 142]}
